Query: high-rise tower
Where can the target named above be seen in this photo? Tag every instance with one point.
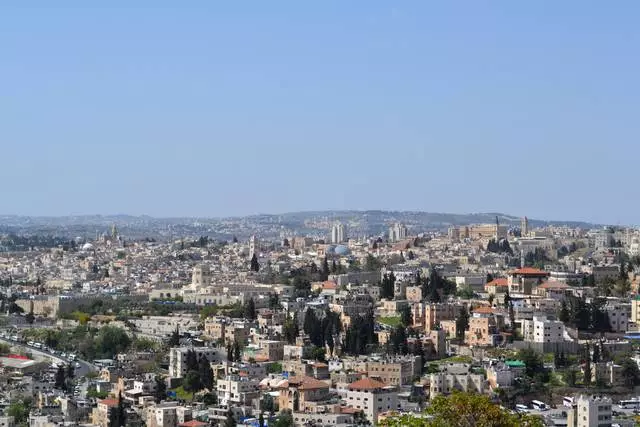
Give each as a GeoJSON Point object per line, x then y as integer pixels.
{"type": "Point", "coordinates": [338, 233]}
{"type": "Point", "coordinates": [524, 227]}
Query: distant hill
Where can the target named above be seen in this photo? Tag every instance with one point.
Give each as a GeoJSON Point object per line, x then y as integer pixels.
{"type": "Point", "coordinates": [431, 219]}
{"type": "Point", "coordinates": [269, 226]}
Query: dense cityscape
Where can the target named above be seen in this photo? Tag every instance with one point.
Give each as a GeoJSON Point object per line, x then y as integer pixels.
{"type": "Point", "coordinates": [336, 319]}
{"type": "Point", "coordinates": [319, 213]}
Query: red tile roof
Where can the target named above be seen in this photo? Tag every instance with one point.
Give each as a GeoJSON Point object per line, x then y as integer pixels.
{"type": "Point", "coordinates": [483, 309]}
{"type": "Point", "coordinates": [366, 384]}
{"type": "Point", "coordinates": [329, 285]}
{"type": "Point", "coordinates": [530, 271]}
{"type": "Point", "coordinates": [501, 281]}
{"type": "Point", "coordinates": [192, 423]}
{"type": "Point", "coordinates": [109, 402]}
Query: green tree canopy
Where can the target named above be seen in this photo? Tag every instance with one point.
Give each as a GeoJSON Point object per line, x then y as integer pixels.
{"type": "Point", "coordinates": [464, 410]}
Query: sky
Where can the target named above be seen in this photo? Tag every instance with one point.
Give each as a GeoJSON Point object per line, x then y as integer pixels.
{"type": "Point", "coordinates": [212, 109]}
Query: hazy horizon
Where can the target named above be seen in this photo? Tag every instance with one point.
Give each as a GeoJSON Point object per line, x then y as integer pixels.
{"type": "Point", "coordinates": [230, 109]}
{"type": "Point", "coordinates": [313, 211]}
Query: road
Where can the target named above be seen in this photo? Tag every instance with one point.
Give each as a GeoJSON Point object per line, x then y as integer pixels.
{"type": "Point", "coordinates": [83, 370]}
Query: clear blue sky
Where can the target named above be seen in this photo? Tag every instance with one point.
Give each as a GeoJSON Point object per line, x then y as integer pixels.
{"type": "Point", "coordinates": [233, 108]}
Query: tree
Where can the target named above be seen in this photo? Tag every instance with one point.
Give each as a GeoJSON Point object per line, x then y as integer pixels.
{"type": "Point", "coordinates": [284, 419]}
{"type": "Point", "coordinates": [532, 360]}
{"type": "Point", "coordinates": [398, 340]}
{"type": "Point", "coordinates": [464, 410]}
{"type": "Point", "coordinates": [118, 415]}
{"type": "Point", "coordinates": [71, 371]}
{"type": "Point", "coordinates": [325, 269]}
{"type": "Point", "coordinates": [250, 310]}
{"type": "Point", "coordinates": [255, 265]}
{"type": "Point", "coordinates": [161, 389]}
{"type": "Point", "coordinates": [192, 381]}
{"type": "Point", "coordinates": [191, 360]}
{"type": "Point", "coordinates": [230, 421]}
{"type": "Point", "coordinates": [110, 341]}
{"type": "Point", "coordinates": [596, 353]}
{"type": "Point", "coordinates": [507, 298]}
{"type": "Point", "coordinates": [360, 334]}
{"type": "Point", "coordinates": [205, 372]}
{"type": "Point", "coordinates": [587, 366]}
{"type": "Point", "coordinates": [418, 350]}
{"type": "Point", "coordinates": [229, 352]}
{"type": "Point", "coordinates": [371, 263]}
{"type": "Point", "coordinates": [274, 301]}
{"type": "Point", "coordinates": [285, 243]}
{"type": "Point", "coordinates": [237, 352]}
{"type": "Point", "coordinates": [122, 413]}
{"type": "Point", "coordinates": [564, 315]}
{"type": "Point", "coordinates": [29, 317]}
{"type": "Point", "coordinates": [491, 298]}
{"type": "Point", "coordinates": [290, 329]}
{"type": "Point", "coordinates": [234, 240]}
{"type": "Point", "coordinates": [405, 316]}
{"type": "Point", "coordinates": [61, 378]}
{"type": "Point", "coordinates": [261, 420]}
{"type": "Point", "coordinates": [387, 286]}
{"type": "Point", "coordinates": [313, 328]}
{"type": "Point", "coordinates": [570, 377]}
{"type": "Point", "coordinates": [267, 404]}
{"type": "Point", "coordinates": [19, 411]}
{"type": "Point", "coordinates": [630, 372]}
{"type": "Point", "coordinates": [462, 323]}
{"type": "Point", "coordinates": [512, 317]}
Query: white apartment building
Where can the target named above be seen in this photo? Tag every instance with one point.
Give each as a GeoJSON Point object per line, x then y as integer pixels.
{"type": "Point", "coordinates": [372, 397]}
{"type": "Point", "coordinates": [541, 330]}
{"type": "Point", "coordinates": [446, 383]}
{"type": "Point", "coordinates": [236, 390]}
{"type": "Point", "coordinates": [178, 358]}
{"type": "Point", "coordinates": [590, 411]}
{"type": "Point", "coordinates": [338, 233]}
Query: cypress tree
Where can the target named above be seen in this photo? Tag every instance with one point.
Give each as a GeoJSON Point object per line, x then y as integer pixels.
{"type": "Point", "coordinates": [587, 366]}
{"type": "Point", "coordinates": [462, 323]}
{"type": "Point", "coordinates": [255, 265]}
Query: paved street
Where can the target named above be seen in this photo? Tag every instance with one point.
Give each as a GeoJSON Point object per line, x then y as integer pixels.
{"type": "Point", "coordinates": [84, 368]}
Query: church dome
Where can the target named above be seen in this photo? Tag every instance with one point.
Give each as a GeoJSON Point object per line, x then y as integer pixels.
{"type": "Point", "coordinates": [342, 250]}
